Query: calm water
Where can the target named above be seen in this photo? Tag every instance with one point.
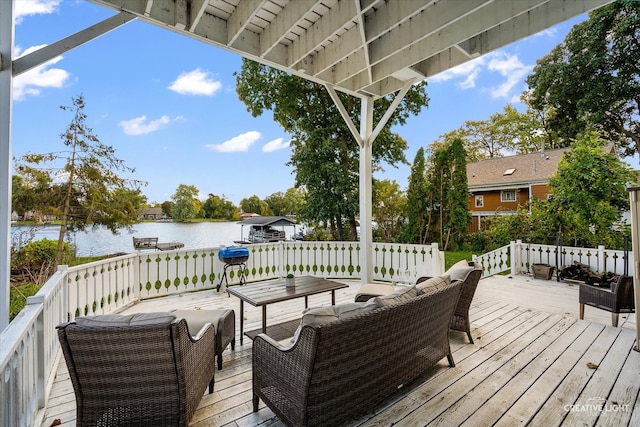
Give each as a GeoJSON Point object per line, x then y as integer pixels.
{"type": "Point", "coordinates": [103, 242]}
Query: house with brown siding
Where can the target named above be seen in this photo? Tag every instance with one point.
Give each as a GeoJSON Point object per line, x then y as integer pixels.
{"type": "Point", "coordinates": [501, 185]}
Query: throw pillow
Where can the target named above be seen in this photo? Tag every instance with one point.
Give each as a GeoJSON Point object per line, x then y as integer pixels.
{"type": "Point", "coordinates": [401, 295]}
{"type": "Point", "coordinates": [433, 283]}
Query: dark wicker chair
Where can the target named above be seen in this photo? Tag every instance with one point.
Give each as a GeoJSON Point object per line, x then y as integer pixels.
{"type": "Point", "coordinates": [460, 319]}
{"type": "Point", "coordinates": [337, 371]}
{"type": "Point", "coordinates": [618, 299]}
{"type": "Point", "coordinates": [138, 375]}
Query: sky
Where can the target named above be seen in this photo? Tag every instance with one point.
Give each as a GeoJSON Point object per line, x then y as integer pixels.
{"type": "Point", "coordinates": [167, 103]}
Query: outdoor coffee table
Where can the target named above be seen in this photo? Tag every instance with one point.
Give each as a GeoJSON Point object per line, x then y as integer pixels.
{"type": "Point", "coordinates": [263, 295]}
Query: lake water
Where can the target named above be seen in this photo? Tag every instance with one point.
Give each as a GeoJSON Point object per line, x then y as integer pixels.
{"type": "Point", "coordinates": [194, 235]}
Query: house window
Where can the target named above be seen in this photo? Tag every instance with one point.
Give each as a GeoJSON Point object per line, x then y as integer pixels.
{"type": "Point", "coordinates": [479, 201]}
{"type": "Point", "coordinates": [508, 196]}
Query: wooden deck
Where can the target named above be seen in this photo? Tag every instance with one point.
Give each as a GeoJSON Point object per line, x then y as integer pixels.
{"type": "Point", "coordinates": [533, 363]}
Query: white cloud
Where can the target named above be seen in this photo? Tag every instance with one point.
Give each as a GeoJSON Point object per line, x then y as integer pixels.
{"type": "Point", "coordinates": [512, 68]}
{"type": "Point", "coordinates": [142, 126]}
{"type": "Point", "coordinates": [468, 70]}
{"type": "Point", "coordinates": [33, 7]}
{"type": "Point", "coordinates": [237, 143]}
{"type": "Point", "coordinates": [196, 82]}
{"type": "Point", "coordinates": [276, 144]}
{"type": "Point", "coordinates": [43, 76]}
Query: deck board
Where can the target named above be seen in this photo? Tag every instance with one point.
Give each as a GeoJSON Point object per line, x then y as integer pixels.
{"type": "Point", "coordinates": [528, 362]}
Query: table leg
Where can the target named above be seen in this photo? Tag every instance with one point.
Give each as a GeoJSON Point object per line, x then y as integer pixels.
{"type": "Point", "coordinates": [306, 302]}
{"type": "Point", "coordinates": [241, 320]}
{"type": "Point", "coordinates": [333, 297]}
{"type": "Point", "coordinates": [264, 319]}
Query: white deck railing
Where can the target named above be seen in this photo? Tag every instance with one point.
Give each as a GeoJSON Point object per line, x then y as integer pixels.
{"type": "Point", "coordinates": [29, 349]}
{"type": "Point", "coordinates": [517, 258]}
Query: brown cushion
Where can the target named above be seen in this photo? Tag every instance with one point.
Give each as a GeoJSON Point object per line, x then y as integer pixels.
{"type": "Point", "coordinates": [322, 315]}
{"type": "Point", "coordinates": [433, 283]}
{"type": "Point", "coordinates": [137, 319]}
{"type": "Point", "coordinates": [196, 319]}
{"type": "Point", "coordinates": [459, 271]}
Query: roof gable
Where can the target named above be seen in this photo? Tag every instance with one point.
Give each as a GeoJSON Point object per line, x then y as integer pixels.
{"type": "Point", "coordinates": [529, 168]}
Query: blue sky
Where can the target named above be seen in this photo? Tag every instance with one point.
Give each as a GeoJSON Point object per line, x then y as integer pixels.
{"type": "Point", "coordinates": [168, 105]}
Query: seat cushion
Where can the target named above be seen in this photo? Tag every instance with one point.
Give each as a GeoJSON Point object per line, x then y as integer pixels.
{"type": "Point", "coordinates": [136, 319]}
{"type": "Point", "coordinates": [196, 319]}
{"type": "Point", "coordinates": [433, 283]}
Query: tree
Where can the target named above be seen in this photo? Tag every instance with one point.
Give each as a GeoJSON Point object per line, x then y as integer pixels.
{"type": "Point", "coordinates": [167, 207]}
{"type": "Point", "coordinates": [254, 204]}
{"type": "Point", "coordinates": [589, 193]}
{"type": "Point", "coordinates": [216, 207]}
{"type": "Point", "coordinates": [185, 203]}
{"type": "Point", "coordinates": [89, 185]}
{"type": "Point", "coordinates": [449, 196]}
{"type": "Point", "coordinates": [508, 131]}
{"type": "Point", "coordinates": [389, 204]}
{"type": "Point", "coordinates": [325, 157]}
{"type": "Point", "coordinates": [417, 202]}
{"type": "Point", "coordinates": [592, 80]}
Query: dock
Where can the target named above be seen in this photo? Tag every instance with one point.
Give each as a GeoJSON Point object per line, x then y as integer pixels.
{"type": "Point", "coordinates": [151, 243]}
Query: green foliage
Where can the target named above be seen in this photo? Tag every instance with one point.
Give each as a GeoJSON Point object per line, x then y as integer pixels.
{"type": "Point", "coordinates": [389, 205]}
{"type": "Point", "coordinates": [254, 204]}
{"type": "Point", "coordinates": [185, 203]}
{"type": "Point", "coordinates": [447, 189]}
{"type": "Point", "coordinates": [18, 295]}
{"type": "Point", "coordinates": [417, 202]}
{"type": "Point", "coordinates": [90, 192]}
{"type": "Point", "coordinates": [219, 208]}
{"type": "Point", "coordinates": [592, 80]}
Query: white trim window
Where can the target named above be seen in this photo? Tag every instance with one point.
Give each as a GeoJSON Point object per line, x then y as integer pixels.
{"type": "Point", "coordinates": [508, 196]}
{"type": "Point", "coordinates": [479, 201]}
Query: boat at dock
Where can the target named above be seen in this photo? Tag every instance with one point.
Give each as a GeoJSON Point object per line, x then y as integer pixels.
{"type": "Point", "coordinates": [262, 229]}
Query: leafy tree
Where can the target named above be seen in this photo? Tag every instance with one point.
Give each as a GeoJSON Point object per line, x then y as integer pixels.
{"type": "Point", "coordinates": [325, 157]}
{"type": "Point", "coordinates": [592, 80]}
{"type": "Point", "coordinates": [185, 203]}
{"type": "Point", "coordinates": [294, 200]}
{"type": "Point", "coordinates": [447, 187]}
{"type": "Point", "coordinates": [509, 131]}
{"type": "Point", "coordinates": [276, 204]}
{"type": "Point", "coordinates": [254, 204]}
{"type": "Point", "coordinates": [589, 191]}
{"type": "Point", "coordinates": [90, 187]}
{"type": "Point", "coordinates": [167, 207]}
{"type": "Point", "coordinates": [389, 204]}
{"type": "Point", "coordinates": [417, 202]}
{"type": "Point", "coordinates": [216, 207]}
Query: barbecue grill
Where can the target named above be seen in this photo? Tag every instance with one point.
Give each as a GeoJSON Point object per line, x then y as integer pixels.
{"type": "Point", "coordinates": [233, 256]}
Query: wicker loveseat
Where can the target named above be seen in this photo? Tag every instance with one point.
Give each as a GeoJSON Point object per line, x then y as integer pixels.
{"type": "Point", "coordinates": [339, 370]}
{"type": "Point", "coordinates": [137, 370]}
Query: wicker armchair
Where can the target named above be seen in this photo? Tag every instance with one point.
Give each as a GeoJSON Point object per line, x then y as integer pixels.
{"type": "Point", "coordinates": [618, 299]}
{"type": "Point", "coordinates": [141, 373]}
{"type": "Point", "coordinates": [460, 319]}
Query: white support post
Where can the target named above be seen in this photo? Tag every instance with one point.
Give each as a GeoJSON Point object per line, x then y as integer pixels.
{"type": "Point", "coordinates": [366, 199]}
{"type": "Point", "coordinates": [634, 196]}
{"type": "Point", "coordinates": [6, 106]}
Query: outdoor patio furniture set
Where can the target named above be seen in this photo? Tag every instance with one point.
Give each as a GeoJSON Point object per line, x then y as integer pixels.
{"type": "Point", "coordinates": [153, 368]}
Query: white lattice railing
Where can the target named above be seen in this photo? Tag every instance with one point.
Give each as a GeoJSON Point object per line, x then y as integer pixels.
{"type": "Point", "coordinates": [517, 257]}
{"type": "Point", "coordinates": [29, 349]}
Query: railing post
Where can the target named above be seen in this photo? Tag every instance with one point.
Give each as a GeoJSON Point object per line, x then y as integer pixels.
{"type": "Point", "coordinates": [280, 269]}
{"type": "Point", "coordinates": [602, 263]}
{"type": "Point", "coordinates": [437, 259]}
{"type": "Point", "coordinates": [515, 258]}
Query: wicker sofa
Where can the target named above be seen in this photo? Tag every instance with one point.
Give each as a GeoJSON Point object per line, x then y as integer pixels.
{"type": "Point", "coordinates": [338, 370]}
{"type": "Point", "coordinates": [137, 370]}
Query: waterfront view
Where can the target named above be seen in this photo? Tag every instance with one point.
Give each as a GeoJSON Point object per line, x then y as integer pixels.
{"type": "Point", "coordinates": [102, 242]}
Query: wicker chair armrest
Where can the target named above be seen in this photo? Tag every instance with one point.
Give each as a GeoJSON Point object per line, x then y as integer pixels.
{"type": "Point", "coordinates": [288, 369]}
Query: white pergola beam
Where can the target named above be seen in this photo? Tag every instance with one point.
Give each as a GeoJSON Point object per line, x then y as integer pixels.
{"type": "Point", "coordinates": [634, 197]}
{"type": "Point", "coordinates": [237, 22]}
{"type": "Point", "coordinates": [47, 53]}
{"type": "Point", "coordinates": [292, 13]}
{"type": "Point", "coordinates": [198, 8]}
{"type": "Point", "coordinates": [6, 116]}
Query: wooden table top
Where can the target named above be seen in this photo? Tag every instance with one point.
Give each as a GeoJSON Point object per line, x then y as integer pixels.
{"type": "Point", "coordinates": [258, 295]}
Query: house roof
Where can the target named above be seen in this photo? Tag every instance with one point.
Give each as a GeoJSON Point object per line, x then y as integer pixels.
{"type": "Point", "coordinates": [523, 169]}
